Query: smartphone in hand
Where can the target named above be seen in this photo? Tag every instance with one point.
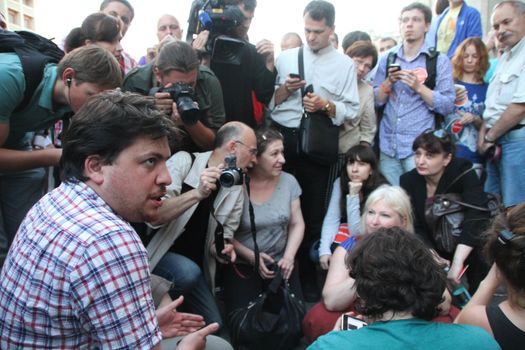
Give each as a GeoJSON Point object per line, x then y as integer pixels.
{"type": "Point", "coordinates": [349, 323]}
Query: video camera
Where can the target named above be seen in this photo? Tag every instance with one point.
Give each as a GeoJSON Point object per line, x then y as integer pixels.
{"type": "Point", "coordinates": [220, 20]}
{"type": "Point", "coordinates": [183, 96]}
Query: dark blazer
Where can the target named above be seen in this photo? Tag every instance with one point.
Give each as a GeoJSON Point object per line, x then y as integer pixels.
{"type": "Point", "coordinates": [469, 187]}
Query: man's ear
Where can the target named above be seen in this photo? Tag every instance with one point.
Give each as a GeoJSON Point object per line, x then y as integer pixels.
{"type": "Point", "coordinates": [156, 70]}
{"type": "Point", "coordinates": [93, 169]}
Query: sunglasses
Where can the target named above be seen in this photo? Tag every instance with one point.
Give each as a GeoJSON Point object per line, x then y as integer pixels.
{"type": "Point", "coordinates": [439, 133]}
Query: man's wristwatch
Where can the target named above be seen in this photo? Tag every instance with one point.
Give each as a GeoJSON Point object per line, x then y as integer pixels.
{"type": "Point", "coordinates": [328, 108]}
{"type": "Point", "coordinates": [488, 139]}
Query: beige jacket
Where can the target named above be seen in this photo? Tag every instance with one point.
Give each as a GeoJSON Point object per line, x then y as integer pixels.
{"type": "Point", "coordinates": [363, 126]}
{"type": "Point", "coordinates": [228, 209]}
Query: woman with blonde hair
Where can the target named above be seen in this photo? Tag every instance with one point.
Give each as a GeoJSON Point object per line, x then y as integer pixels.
{"type": "Point", "coordinates": [387, 206]}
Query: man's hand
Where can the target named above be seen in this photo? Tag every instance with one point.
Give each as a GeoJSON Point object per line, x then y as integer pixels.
{"type": "Point", "coordinates": [409, 78]}
{"type": "Point", "coordinates": [313, 102]}
{"type": "Point", "coordinates": [265, 48]}
{"type": "Point", "coordinates": [291, 85]}
{"type": "Point", "coordinates": [208, 181]}
{"type": "Point", "coordinates": [394, 75]}
{"type": "Point", "coordinates": [197, 340]}
{"type": "Point", "coordinates": [163, 102]}
{"type": "Point", "coordinates": [228, 251]}
{"type": "Point", "coordinates": [200, 41]}
{"type": "Point", "coordinates": [173, 323]}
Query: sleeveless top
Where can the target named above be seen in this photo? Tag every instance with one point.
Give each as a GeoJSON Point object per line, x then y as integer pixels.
{"type": "Point", "coordinates": [505, 332]}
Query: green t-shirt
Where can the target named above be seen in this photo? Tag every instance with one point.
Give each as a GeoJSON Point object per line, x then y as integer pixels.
{"type": "Point", "coordinates": [408, 334]}
{"type": "Point", "coordinates": [39, 113]}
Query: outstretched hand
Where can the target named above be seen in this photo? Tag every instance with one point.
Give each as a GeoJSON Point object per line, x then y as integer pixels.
{"type": "Point", "coordinates": [173, 323]}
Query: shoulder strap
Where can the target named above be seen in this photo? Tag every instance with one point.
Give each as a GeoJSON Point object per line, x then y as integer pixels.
{"type": "Point", "coordinates": [431, 63]}
{"type": "Point", "coordinates": [300, 62]}
{"type": "Point", "coordinates": [460, 176]}
{"type": "Point", "coordinates": [185, 187]}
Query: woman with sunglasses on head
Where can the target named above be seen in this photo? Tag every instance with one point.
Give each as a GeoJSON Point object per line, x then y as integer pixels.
{"type": "Point", "coordinates": [506, 249]}
{"type": "Point", "coordinates": [350, 191]}
{"type": "Point", "coordinates": [274, 195]}
{"type": "Point", "coordinates": [470, 64]}
{"type": "Point", "coordinates": [439, 171]}
{"type": "Point", "coordinates": [386, 206]}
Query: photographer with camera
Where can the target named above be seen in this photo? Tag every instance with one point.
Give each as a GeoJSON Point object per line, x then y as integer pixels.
{"type": "Point", "coordinates": [185, 248]}
{"type": "Point", "coordinates": [186, 90]}
{"type": "Point", "coordinates": [246, 71]}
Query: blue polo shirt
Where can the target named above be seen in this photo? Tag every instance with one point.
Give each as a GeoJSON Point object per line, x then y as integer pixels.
{"type": "Point", "coordinates": [39, 113]}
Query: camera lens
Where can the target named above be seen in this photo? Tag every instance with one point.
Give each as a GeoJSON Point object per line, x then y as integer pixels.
{"type": "Point", "coordinates": [187, 110]}
{"type": "Point", "coordinates": [227, 178]}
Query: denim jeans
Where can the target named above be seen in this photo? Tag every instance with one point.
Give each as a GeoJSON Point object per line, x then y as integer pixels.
{"type": "Point", "coordinates": [188, 280]}
{"type": "Point", "coordinates": [392, 168]}
{"type": "Point", "coordinates": [507, 177]}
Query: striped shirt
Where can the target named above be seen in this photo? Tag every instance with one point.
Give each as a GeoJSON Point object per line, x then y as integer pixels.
{"type": "Point", "coordinates": [76, 277]}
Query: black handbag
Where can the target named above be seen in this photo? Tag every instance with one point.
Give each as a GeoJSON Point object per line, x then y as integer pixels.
{"type": "Point", "coordinates": [318, 136]}
{"type": "Point", "coordinates": [271, 321]}
{"type": "Point", "coordinates": [445, 213]}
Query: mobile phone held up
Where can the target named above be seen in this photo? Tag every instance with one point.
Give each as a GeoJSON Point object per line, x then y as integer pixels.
{"type": "Point", "coordinates": [395, 66]}
{"type": "Point", "coordinates": [349, 323]}
{"type": "Point", "coordinates": [294, 75]}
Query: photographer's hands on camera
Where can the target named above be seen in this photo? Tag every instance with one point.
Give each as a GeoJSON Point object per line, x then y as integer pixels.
{"type": "Point", "coordinates": [165, 104]}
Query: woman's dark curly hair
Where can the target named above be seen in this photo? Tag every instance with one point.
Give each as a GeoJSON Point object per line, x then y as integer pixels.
{"type": "Point", "coordinates": [394, 271]}
{"type": "Point", "coordinates": [360, 153]}
{"type": "Point", "coordinates": [510, 256]}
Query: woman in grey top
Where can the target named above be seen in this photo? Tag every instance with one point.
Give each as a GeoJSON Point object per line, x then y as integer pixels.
{"type": "Point", "coordinates": [279, 222]}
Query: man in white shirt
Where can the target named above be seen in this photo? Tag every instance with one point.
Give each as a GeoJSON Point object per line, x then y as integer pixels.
{"type": "Point", "coordinates": [334, 82]}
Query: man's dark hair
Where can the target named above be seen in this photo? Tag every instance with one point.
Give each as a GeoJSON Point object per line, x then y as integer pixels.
{"type": "Point", "coordinates": [427, 12]}
{"type": "Point", "coordinates": [395, 272]}
{"type": "Point", "coordinates": [106, 125]}
{"type": "Point", "coordinates": [126, 3]}
{"type": "Point", "coordinates": [319, 10]}
{"type": "Point", "coordinates": [227, 132]}
{"type": "Point", "coordinates": [249, 5]}
{"type": "Point", "coordinates": [179, 56]}
{"type": "Point", "coordinates": [93, 64]}
{"type": "Point", "coordinates": [354, 36]}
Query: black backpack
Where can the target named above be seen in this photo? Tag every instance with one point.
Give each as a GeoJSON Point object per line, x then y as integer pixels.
{"type": "Point", "coordinates": [34, 52]}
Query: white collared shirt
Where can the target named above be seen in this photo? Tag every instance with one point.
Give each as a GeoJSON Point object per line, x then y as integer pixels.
{"type": "Point", "coordinates": [333, 77]}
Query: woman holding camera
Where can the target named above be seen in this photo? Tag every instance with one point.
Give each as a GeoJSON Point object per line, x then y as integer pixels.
{"type": "Point", "coordinates": [274, 195]}
{"type": "Point", "coordinates": [438, 171]}
{"type": "Point", "coordinates": [506, 248]}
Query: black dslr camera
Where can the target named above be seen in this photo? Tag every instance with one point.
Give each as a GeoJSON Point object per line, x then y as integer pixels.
{"type": "Point", "coordinates": [232, 175]}
{"type": "Point", "coordinates": [183, 96]}
{"type": "Point", "coordinates": [221, 21]}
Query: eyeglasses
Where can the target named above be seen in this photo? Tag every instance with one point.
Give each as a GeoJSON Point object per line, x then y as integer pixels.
{"type": "Point", "coordinates": [253, 151]}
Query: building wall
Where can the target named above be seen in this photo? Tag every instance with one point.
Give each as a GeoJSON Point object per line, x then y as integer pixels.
{"type": "Point", "coordinates": [20, 14]}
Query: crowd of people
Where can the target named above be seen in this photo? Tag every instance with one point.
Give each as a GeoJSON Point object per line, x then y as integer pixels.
{"type": "Point", "coordinates": [147, 205]}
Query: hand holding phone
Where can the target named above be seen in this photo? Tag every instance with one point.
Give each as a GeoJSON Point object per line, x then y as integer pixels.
{"type": "Point", "coordinates": [349, 323]}
{"type": "Point", "coordinates": [393, 67]}
{"type": "Point", "coordinates": [294, 75]}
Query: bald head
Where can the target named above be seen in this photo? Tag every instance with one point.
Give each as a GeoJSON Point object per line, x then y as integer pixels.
{"type": "Point", "coordinates": [168, 25]}
{"type": "Point", "coordinates": [290, 41]}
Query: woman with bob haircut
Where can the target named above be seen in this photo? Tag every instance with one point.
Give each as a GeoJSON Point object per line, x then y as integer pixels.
{"type": "Point", "coordinates": [506, 249]}
{"type": "Point", "coordinates": [438, 171]}
{"type": "Point", "coordinates": [359, 178]}
{"type": "Point", "coordinates": [387, 206]}
{"type": "Point", "coordinates": [97, 29]}
{"type": "Point", "coordinates": [399, 285]}
{"type": "Point", "coordinates": [470, 64]}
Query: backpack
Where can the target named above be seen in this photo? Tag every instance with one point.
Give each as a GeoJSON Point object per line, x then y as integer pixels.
{"type": "Point", "coordinates": [34, 52]}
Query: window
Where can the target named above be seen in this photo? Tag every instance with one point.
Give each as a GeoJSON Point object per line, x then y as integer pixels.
{"type": "Point", "coordinates": [13, 16]}
{"type": "Point", "coordinates": [28, 3]}
{"type": "Point", "coordinates": [28, 22]}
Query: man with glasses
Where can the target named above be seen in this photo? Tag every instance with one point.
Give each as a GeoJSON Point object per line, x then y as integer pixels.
{"type": "Point", "coordinates": [399, 86]}
{"type": "Point", "coordinates": [183, 249]}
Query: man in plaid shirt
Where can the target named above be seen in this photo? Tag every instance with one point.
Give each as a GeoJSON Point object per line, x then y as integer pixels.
{"type": "Point", "coordinates": [77, 275]}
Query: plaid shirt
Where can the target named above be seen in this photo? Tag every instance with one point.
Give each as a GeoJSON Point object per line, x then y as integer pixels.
{"type": "Point", "coordinates": [76, 277]}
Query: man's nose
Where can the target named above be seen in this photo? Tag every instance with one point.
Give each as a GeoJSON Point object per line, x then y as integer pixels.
{"type": "Point", "coordinates": [164, 178]}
